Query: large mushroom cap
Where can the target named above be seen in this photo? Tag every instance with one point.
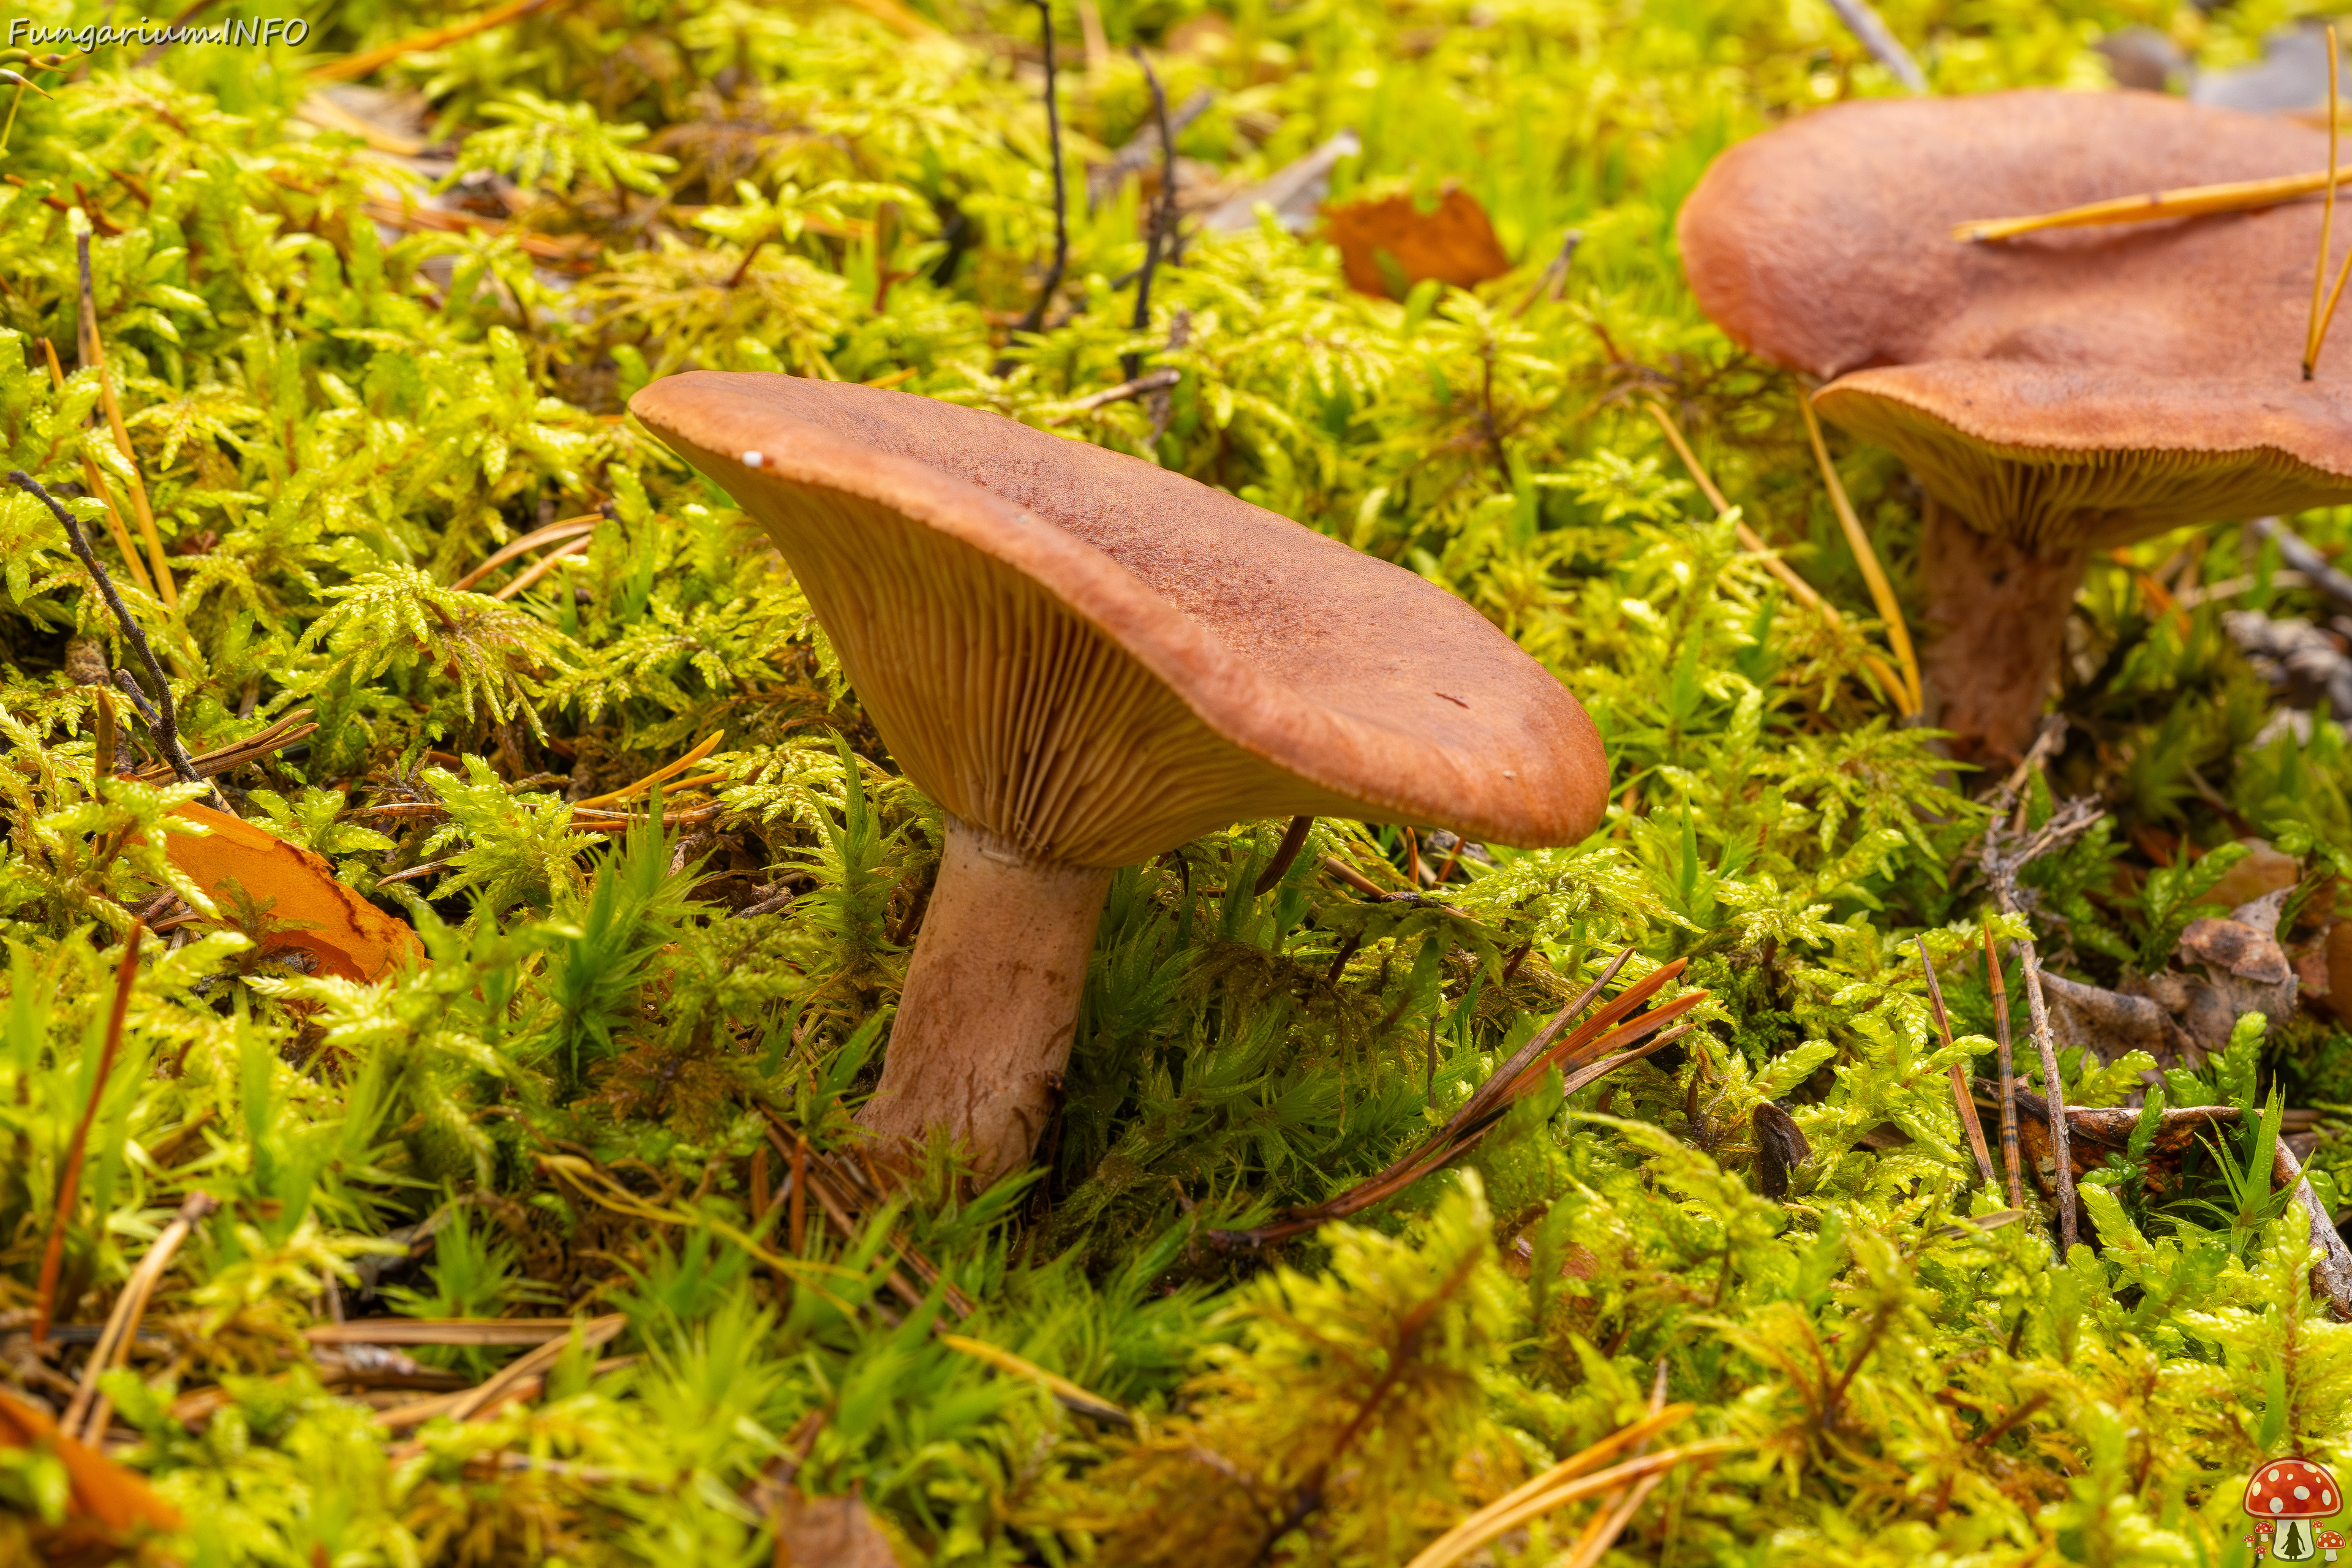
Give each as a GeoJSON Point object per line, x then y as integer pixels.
{"type": "Point", "coordinates": [1100, 659]}
{"type": "Point", "coordinates": [2069, 387]}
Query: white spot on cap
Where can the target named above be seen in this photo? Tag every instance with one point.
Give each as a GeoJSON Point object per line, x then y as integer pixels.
{"type": "Point", "coordinates": [2278, 1505]}
{"type": "Point", "coordinates": [2303, 1492]}
{"type": "Point", "coordinates": [753, 459]}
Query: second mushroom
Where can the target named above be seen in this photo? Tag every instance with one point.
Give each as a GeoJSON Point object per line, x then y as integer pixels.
{"type": "Point", "coordinates": [1087, 660]}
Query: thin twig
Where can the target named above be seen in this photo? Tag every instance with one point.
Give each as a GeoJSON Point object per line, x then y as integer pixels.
{"type": "Point", "coordinates": [166, 719]}
{"type": "Point", "coordinates": [1036, 316]}
{"type": "Point", "coordinates": [2001, 863]}
{"type": "Point", "coordinates": [2298, 553]}
{"type": "Point", "coordinates": [1294, 839]}
{"type": "Point", "coordinates": [2009, 1155]}
{"type": "Point", "coordinates": [1163, 211]}
{"type": "Point", "coordinates": [53, 1255]}
{"type": "Point", "coordinates": [1875, 36]}
{"type": "Point", "coordinates": [1142, 385]}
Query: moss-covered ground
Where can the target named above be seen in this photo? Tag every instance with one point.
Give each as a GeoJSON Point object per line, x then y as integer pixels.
{"type": "Point", "coordinates": [362, 341]}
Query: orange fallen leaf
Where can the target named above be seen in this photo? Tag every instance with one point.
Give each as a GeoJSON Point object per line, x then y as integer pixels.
{"type": "Point", "coordinates": [1388, 245]}
{"type": "Point", "coordinates": [102, 1490]}
{"type": "Point", "coordinates": [350, 937]}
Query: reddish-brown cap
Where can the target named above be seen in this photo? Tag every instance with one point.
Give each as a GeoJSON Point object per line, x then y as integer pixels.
{"type": "Point", "coordinates": [2069, 387]}
{"type": "Point", "coordinates": [1100, 659]}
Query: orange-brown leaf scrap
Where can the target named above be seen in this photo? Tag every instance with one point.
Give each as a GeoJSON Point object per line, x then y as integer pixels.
{"type": "Point", "coordinates": [308, 909]}
{"type": "Point", "coordinates": [102, 1490]}
{"type": "Point", "coordinates": [1387, 246]}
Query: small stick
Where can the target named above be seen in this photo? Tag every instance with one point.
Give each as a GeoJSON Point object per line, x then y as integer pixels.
{"type": "Point", "coordinates": [1871, 28]}
{"type": "Point", "coordinates": [92, 350]}
{"type": "Point", "coordinates": [2038, 1010]}
{"type": "Point", "coordinates": [2327, 222]}
{"type": "Point", "coordinates": [1036, 316]}
{"type": "Point", "coordinates": [1962, 1101]}
{"type": "Point", "coordinates": [2009, 1155]}
{"type": "Point", "coordinates": [1881, 593]}
{"type": "Point", "coordinates": [1162, 211]}
{"type": "Point", "coordinates": [1142, 385]}
{"type": "Point", "coordinates": [2298, 553]}
{"type": "Point", "coordinates": [53, 1257]}
{"type": "Point", "coordinates": [167, 721]}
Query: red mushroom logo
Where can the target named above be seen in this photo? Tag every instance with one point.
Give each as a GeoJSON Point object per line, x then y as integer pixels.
{"type": "Point", "coordinates": [2331, 1541]}
{"type": "Point", "coordinates": [2288, 1495]}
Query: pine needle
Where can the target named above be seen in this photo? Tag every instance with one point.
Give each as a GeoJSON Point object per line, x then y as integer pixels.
{"type": "Point", "coordinates": [1881, 593]}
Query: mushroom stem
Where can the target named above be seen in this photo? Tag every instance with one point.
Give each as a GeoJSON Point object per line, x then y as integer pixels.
{"type": "Point", "coordinates": [1997, 624]}
{"type": "Point", "coordinates": [991, 1002]}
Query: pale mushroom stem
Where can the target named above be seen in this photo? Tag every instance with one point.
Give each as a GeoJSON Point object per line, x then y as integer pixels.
{"type": "Point", "coordinates": [1997, 626]}
{"type": "Point", "coordinates": [991, 1002]}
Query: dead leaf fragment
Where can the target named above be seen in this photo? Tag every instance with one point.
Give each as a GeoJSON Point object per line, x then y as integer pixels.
{"type": "Point", "coordinates": [102, 1490]}
{"type": "Point", "coordinates": [350, 937]}
{"type": "Point", "coordinates": [1388, 246]}
{"type": "Point", "coordinates": [831, 1531]}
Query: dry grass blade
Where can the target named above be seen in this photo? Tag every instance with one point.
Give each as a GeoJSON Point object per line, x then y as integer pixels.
{"type": "Point", "coordinates": [90, 1410]}
{"type": "Point", "coordinates": [1552, 1046]}
{"type": "Point", "coordinates": [2009, 1156]}
{"type": "Point", "coordinates": [1068, 1394]}
{"type": "Point", "coordinates": [93, 355]}
{"type": "Point", "coordinates": [1881, 593]}
{"type": "Point", "coordinates": [53, 1254]}
{"type": "Point", "coordinates": [1962, 1101]}
{"type": "Point", "coordinates": [2313, 328]}
{"type": "Point", "coordinates": [2186, 200]}
{"type": "Point", "coordinates": [541, 567]}
{"type": "Point", "coordinates": [1472, 1533]}
{"type": "Point", "coordinates": [1753, 543]}
{"type": "Point", "coordinates": [287, 731]}
{"type": "Point", "coordinates": [102, 1490]}
{"type": "Point", "coordinates": [659, 776]}
{"type": "Point", "coordinates": [94, 478]}
{"type": "Point", "coordinates": [471, 1332]}
{"type": "Point", "coordinates": [554, 533]}
{"type": "Point", "coordinates": [510, 1381]}
{"type": "Point", "coordinates": [350, 68]}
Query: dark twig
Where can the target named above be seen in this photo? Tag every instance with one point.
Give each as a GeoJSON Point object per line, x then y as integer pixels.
{"type": "Point", "coordinates": [1141, 386]}
{"type": "Point", "coordinates": [164, 720]}
{"type": "Point", "coordinates": [129, 684]}
{"type": "Point", "coordinates": [2001, 863]}
{"type": "Point", "coordinates": [1036, 316]}
{"type": "Point", "coordinates": [1163, 211]}
{"type": "Point", "coordinates": [2298, 553]}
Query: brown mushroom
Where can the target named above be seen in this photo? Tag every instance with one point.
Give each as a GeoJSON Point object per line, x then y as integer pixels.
{"type": "Point", "coordinates": [1087, 660]}
{"type": "Point", "coordinates": [2063, 392]}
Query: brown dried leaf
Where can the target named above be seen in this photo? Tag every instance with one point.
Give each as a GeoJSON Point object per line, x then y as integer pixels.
{"type": "Point", "coordinates": [830, 1532]}
{"type": "Point", "coordinates": [309, 910]}
{"type": "Point", "coordinates": [1388, 246]}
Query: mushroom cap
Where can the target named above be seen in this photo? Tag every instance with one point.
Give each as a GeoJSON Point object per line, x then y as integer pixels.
{"type": "Point", "coordinates": [2293, 1489]}
{"type": "Point", "coordinates": [1100, 659]}
{"type": "Point", "coordinates": [2071, 387]}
